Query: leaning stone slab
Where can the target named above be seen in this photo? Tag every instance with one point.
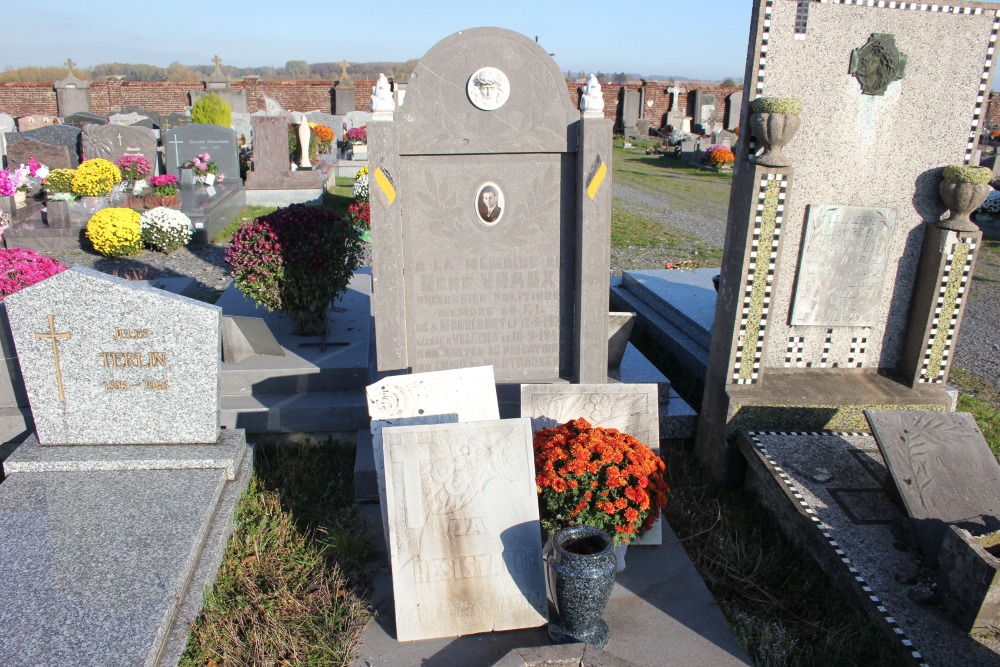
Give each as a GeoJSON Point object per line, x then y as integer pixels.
{"type": "Point", "coordinates": [943, 469]}
{"type": "Point", "coordinates": [969, 579]}
{"type": "Point", "coordinates": [106, 361]}
{"type": "Point", "coordinates": [469, 393]}
{"type": "Point", "coordinates": [465, 543]}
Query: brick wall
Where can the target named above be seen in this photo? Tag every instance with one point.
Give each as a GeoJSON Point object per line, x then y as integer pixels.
{"type": "Point", "coordinates": [107, 97]}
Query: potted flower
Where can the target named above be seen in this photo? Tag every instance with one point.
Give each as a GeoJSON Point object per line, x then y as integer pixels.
{"type": "Point", "coordinates": [357, 139]}
{"type": "Point", "coordinates": [134, 169]}
{"type": "Point", "coordinates": [165, 229]}
{"type": "Point", "coordinates": [162, 191]}
{"type": "Point", "coordinates": [720, 157]}
{"type": "Point", "coordinates": [324, 134]}
{"type": "Point", "coordinates": [205, 169]}
{"type": "Point", "coordinates": [963, 189]}
{"type": "Point", "coordinates": [598, 477]}
{"type": "Point", "coordinates": [774, 122]}
{"type": "Point", "coordinates": [94, 179]}
{"type": "Point", "coordinates": [9, 183]}
{"type": "Point", "coordinates": [297, 260]}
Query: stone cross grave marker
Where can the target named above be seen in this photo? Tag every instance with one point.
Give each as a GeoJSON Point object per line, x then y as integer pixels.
{"type": "Point", "coordinates": [839, 290]}
{"type": "Point", "coordinates": [181, 144]}
{"type": "Point", "coordinates": [440, 397]}
{"type": "Point", "coordinates": [111, 142]}
{"type": "Point", "coordinates": [106, 361]}
{"type": "Point", "coordinates": [489, 213]}
{"type": "Point", "coordinates": [465, 543]}
{"type": "Point", "coordinates": [944, 472]}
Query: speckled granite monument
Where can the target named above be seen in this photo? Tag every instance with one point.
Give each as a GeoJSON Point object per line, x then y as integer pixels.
{"type": "Point", "coordinates": [98, 351]}
{"type": "Point", "coordinates": [841, 289]}
{"type": "Point", "coordinates": [491, 202]}
{"type": "Point", "coordinates": [113, 527]}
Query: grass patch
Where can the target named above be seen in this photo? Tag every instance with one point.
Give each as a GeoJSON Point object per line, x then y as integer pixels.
{"type": "Point", "coordinates": [225, 235]}
{"type": "Point", "coordinates": [291, 586]}
{"type": "Point", "coordinates": [633, 227]}
{"type": "Point", "coordinates": [341, 197]}
{"type": "Point", "coordinates": [688, 187]}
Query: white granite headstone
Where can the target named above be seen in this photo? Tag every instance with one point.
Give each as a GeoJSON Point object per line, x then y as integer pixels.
{"type": "Point", "coordinates": [465, 542]}
{"type": "Point", "coordinates": [107, 361]}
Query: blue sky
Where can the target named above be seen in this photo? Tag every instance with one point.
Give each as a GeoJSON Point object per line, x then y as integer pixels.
{"type": "Point", "coordinates": [699, 40]}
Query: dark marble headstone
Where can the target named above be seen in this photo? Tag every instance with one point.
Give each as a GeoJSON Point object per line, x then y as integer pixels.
{"type": "Point", "coordinates": [183, 143]}
{"type": "Point", "coordinates": [172, 120]}
{"type": "Point", "coordinates": [85, 118]}
{"type": "Point", "coordinates": [113, 141]}
{"type": "Point", "coordinates": [52, 155]}
{"type": "Point", "coordinates": [61, 135]}
{"type": "Point", "coordinates": [943, 469]}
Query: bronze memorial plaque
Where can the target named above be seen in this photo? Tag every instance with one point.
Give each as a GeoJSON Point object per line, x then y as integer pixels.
{"type": "Point", "coordinates": [842, 265]}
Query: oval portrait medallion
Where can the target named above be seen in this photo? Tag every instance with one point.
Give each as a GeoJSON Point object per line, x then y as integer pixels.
{"type": "Point", "coordinates": [489, 203]}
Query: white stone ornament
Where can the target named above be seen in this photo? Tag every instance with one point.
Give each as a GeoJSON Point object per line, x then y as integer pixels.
{"type": "Point", "coordinates": [304, 142]}
{"type": "Point", "coordinates": [488, 88]}
{"type": "Point", "coordinates": [382, 103]}
{"type": "Point", "coordinates": [592, 102]}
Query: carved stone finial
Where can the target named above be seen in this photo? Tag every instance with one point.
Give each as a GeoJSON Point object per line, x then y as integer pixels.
{"type": "Point", "coordinates": [344, 76]}
{"type": "Point", "coordinates": [592, 102]}
{"type": "Point", "coordinates": [382, 104]}
{"type": "Point", "coordinates": [69, 64]}
{"type": "Point", "coordinates": [218, 65]}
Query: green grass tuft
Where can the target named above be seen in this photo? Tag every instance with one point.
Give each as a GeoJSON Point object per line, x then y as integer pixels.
{"type": "Point", "coordinates": [225, 235]}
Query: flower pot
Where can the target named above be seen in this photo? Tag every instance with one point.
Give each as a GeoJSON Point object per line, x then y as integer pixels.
{"type": "Point", "coordinates": [774, 131]}
{"type": "Point", "coordinates": [308, 322]}
{"type": "Point", "coordinates": [208, 179]}
{"type": "Point", "coordinates": [366, 234]}
{"type": "Point", "coordinates": [57, 214]}
{"type": "Point", "coordinates": [582, 572]}
{"type": "Point", "coordinates": [20, 197]}
{"type": "Point", "coordinates": [620, 550]}
{"type": "Point", "coordinates": [962, 199]}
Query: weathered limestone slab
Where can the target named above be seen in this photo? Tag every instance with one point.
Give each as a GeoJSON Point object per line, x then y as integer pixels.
{"type": "Point", "coordinates": [106, 361]}
{"type": "Point", "coordinates": [469, 393]}
{"type": "Point", "coordinates": [629, 408]}
{"type": "Point", "coordinates": [465, 543]}
{"type": "Point", "coordinates": [943, 469]}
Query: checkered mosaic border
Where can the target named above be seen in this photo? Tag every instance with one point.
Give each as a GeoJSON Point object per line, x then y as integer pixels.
{"type": "Point", "coordinates": [824, 529]}
{"type": "Point", "coordinates": [856, 357]}
{"type": "Point", "coordinates": [942, 333]}
{"type": "Point", "coordinates": [801, 21]}
{"type": "Point", "coordinates": [793, 355]}
{"type": "Point", "coordinates": [760, 276]}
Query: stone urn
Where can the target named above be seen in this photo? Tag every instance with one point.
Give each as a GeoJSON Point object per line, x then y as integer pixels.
{"type": "Point", "coordinates": [774, 123]}
{"type": "Point", "coordinates": [963, 189]}
{"type": "Point", "coordinates": [582, 575]}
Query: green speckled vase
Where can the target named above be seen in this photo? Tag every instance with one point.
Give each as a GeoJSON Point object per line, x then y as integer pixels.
{"type": "Point", "coordinates": [582, 568]}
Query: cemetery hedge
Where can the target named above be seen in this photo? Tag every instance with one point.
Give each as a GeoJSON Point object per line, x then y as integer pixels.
{"type": "Point", "coordinates": [210, 109]}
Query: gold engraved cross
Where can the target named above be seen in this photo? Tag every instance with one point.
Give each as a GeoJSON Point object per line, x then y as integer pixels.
{"type": "Point", "coordinates": [52, 335]}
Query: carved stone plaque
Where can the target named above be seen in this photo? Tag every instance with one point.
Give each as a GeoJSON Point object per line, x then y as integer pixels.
{"type": "Point", "coordinates": [842, 265]}
{"type": "Point", "coordinates": [877, 64]}
{"type": "Point", "coordinates": [943, 469]}
{"type": "Point", "coordinates": [488, 88]}
{"type": "Point", "coordinates": [465, 542]}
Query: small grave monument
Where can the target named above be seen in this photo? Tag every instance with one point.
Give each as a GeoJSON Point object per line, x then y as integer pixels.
{"type": "Point", "coordinates": [35, 121]}
{"type": "Point", "coordinates": [490, 213]}
{"type": "Point", "coordinates": [839, 290]}
{"type": "Point", "coordinates": [111, 142]}
{"type": "Point", "coordinates": [183, 143]}
{"type": "Point", "coordinates": [84, 380]}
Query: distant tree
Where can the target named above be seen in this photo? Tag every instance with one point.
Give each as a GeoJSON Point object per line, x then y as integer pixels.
{"type": "Point", "coordinates": [178, 72]}
{"type": "Point", "coordinates": [728, 83]}
{"type": "Point", "coordinates": [620, 77]}
{"type": "Point", "coordinates": [297, 69]}
{"type": "Point", "coordinates": [39, 74]}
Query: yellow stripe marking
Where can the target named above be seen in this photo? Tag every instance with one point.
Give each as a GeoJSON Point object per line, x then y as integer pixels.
{"type": "Point", "coordinates": [595, 182]}
{"type": "Point", "coordinates": [386, 185]}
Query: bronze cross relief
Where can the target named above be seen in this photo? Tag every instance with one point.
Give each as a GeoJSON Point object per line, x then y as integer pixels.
{"type": "Point", "coordinates": [52, 335]}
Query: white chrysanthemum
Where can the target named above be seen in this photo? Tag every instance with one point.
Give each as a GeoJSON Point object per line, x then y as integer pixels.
{"type": "Point", "coordinates": [165, 229]}
{"type": "Point", "coordinates": [361, 187]}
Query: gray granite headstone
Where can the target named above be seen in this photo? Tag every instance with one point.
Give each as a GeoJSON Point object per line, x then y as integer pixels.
{"type": "Point", "coordinates": [183, 143]}
{"type": "Point", "coordinates": [630, 110]}
{"type": "Point", "coordinates": [843, 264]}
{"type": "Point", "coordinates": [35, 121]}
{"type": "Point", "coordinates": [111, 142]}
{"type": "Point", "coordinates": [106, 361]}
{"type": "Point", "coordinates": [510, 285]}
{"type": "Point", "coordinates": [335, 123]}
{"type": "Point", "coordinates": [83, 118]}
{"type": "Point", "coordinates": [465, 542]}
{"type": "Point", "coordinates": [357, 119]}
{"type": "Point", "coordinates": [72, 95]}
{"type": "Point", "coordinates": [943, 469]}
{"type": "Point", "coordinates": [51, 155]}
